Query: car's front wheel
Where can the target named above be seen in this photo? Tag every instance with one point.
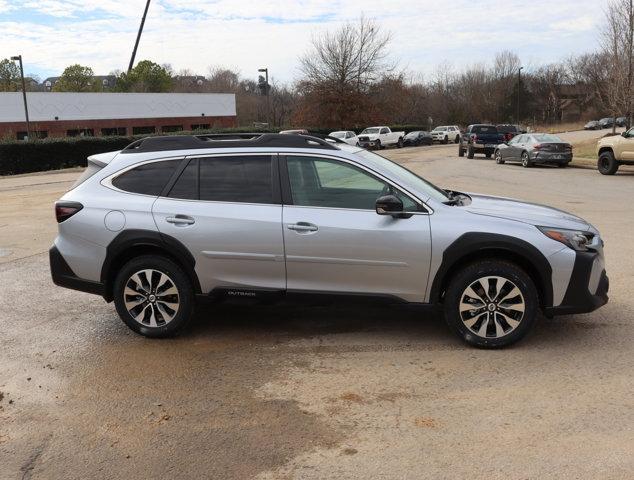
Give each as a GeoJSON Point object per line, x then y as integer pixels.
{"type": "Point", "coordinates": [153, 296]}
{"type": "Point", "coordinates": [607, 164]}
{"type": "Point", "coordinates": [491, 303]}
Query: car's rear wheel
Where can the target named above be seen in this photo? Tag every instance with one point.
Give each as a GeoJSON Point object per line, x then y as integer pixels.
{"type": "Point", "coordinates": [399, 144]}
{"type": "Point", "coordinates": [526, 161]}
{"type": "Point", "coordinates": [498, 157]}
{"type": "Point", "coordinates": [607, 164]}
{"type": "Point", "coordinates": [457, 139]}
{"type": "Point", "coordinates": [377, 145]}
{"type": "Point", "coordinates": [153, 296]}
{"type": "Point", "coordinates": [470, 152]}
{"type": "Point", "coordinates": [491, 303]}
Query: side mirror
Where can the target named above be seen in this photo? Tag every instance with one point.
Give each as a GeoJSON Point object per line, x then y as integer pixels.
{"type": "Point", "coordinates": [389, 205]}
{"type": "Point", "coordinates": [624, 134]}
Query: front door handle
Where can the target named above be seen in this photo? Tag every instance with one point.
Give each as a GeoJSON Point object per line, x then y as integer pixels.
{"type": "Point", "coordinates": [302, 227]}
{"type": "Point", "coordinates": [180, 220]}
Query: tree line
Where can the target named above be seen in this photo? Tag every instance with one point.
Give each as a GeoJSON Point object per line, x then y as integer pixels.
{"type": "Point", "coordinates": [350, 80]}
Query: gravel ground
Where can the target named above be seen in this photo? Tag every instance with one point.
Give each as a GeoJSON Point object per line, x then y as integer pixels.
{"type": "Point", "coordinates": [315, 392]}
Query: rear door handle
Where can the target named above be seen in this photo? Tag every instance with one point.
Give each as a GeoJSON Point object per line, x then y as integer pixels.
{"type": "Point", "coordinates": [301, 227]}
{"type": "Point", "coordinates": [180, 220]}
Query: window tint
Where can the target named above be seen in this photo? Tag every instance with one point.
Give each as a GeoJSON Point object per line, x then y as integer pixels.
{"type": "Point", "coordinates": [186, 187]}
{"type": "Point", "coordinates": [148, 179]}
{"type": "Point", "coordinates": [329, 183]}
{"type": "Point", "coordinates": [236, 179]}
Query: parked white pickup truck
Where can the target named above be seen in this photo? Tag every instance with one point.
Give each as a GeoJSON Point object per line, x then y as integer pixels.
{"type": "Point", "coordinates": [380, 137]}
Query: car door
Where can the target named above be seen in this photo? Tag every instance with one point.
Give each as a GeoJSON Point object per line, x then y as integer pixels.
{"type": "Point", "coordinates": [627, 145]}
{"type": "Point", "coordinates": [515, 153]}
{"type": "Point", "coordinates": [226, 210]}
{"type": "Point", "coordinates": [336, 242]}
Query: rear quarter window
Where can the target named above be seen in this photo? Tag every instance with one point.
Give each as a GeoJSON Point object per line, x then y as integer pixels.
{"type": "Point", "coordinates": [147, 179]}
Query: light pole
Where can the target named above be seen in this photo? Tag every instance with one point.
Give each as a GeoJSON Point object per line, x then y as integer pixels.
{"type": "Point", "coordinates": [18, 58]}
{"type": "Point", "coordinates": [138, 36]}
{"type": "Point", "coordinates": [266, 90]}
{"type": "Point", "coordinates": [519, 92]}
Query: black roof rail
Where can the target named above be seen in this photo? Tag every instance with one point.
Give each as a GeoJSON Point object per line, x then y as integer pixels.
{"type": "Point", "coordinates": [226, 140]}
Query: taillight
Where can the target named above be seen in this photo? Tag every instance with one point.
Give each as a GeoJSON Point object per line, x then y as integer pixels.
{"type": "Point", "coordinates": [474, 137]}
{"type": "Point", "coordinates": [65, 210]}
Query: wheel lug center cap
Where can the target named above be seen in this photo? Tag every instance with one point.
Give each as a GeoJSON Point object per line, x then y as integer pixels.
{"type": "Point", "coordinates": [491, 307]}
{"type": "Point", "coordinates": [152, 298]}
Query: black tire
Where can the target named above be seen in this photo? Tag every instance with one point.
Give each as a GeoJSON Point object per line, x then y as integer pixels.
{"type": "Point", "coordinates": [607, 164]}
{"type": "Point", "coordinates": [498, 157]}
{"type": "Point", "coordinates": [445, 140]}
{"type": "Point", "coordinates": [487, 154]}
{"type": "Point", "coordinates": [562, 165]}
{"type": "Point", "coordinates": [184, 297]}
{"type": "Point", "coordinates": [510, 276]}
{"type": "Point", "coordinates": [399, 144]}
{"type": "Point", "coordinates": [460, 151]}
{"type": "Point", "coordinates": [457, 139]}
{"type": "Point", "coordinates": [526, 161]}
{"type": "Point", "coordinates": [470, 152]}
{"type": "Point", "coordinates": [378, 145]}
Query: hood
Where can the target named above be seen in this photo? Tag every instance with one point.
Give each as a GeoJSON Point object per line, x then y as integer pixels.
{"type": "Point", "coordinates": [371, 136]}
{"type": "Point", "coordinates": [530, 213]}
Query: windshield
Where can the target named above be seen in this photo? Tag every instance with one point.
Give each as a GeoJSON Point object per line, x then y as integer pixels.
{"type": "Point", "coordinates": [412, 134]}
{"type": "Point", "coordinates": [484, 129]}
{"type": "Point", "coordinates": [338, 134]}
{"type": "Point", "coordinates": [440, 129]}
{"type": "Point", "coordinates": [371, 130]}
{"type": "Point", "coordinates": [507, 129]}
{"type": "Point", "coordinates": [545, 137]}
{"type": "Point", "coordinates": [421, 184]}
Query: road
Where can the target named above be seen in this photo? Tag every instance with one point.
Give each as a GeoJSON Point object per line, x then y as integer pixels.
{"type": "Point", "coordinates": [316, 392]}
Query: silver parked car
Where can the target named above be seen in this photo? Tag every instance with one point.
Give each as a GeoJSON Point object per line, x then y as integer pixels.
{"type": "Point", "coordinates": [534, 148]}
{"type": "Point", "coordinates": [169, 220]}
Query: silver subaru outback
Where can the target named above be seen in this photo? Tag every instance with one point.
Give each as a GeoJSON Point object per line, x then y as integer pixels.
{"type": "Point", "coordinates": [171, 220]}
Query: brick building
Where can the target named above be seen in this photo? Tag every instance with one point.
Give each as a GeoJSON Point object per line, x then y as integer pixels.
{"type": "Point", "coordinates": [60, 114]}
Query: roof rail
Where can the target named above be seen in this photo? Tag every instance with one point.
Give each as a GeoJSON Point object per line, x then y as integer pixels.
{"type": "Point", "coordinates": [226, 140]}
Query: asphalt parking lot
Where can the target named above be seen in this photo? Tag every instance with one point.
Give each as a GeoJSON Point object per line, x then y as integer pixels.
{"type": "Point", "coordinates": [316, 392]}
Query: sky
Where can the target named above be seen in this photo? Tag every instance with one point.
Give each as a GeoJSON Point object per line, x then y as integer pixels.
{"type": "Point", "coordinates": [246, 35]}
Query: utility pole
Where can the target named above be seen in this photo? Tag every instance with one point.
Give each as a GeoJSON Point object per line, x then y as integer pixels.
{"type": "Point", "coordinates": [18, 58]}
{"type": "Point", "coordinates": [267, 91]}
{"type": "Point", "coordinates": [138, 37]}
{"type": "Point", "coordinates": [519, 92]}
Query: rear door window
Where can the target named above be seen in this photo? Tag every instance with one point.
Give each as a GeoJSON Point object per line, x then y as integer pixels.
{"type": "Point", "coordinates": [246, 179]}
{"type": "Point", "coordinates": [147, 179]}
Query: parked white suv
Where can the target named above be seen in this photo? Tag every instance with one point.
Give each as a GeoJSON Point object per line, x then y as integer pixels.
{"type": "Point", "coordinates": [446, 134]}
{"type": "Point", "coordinates": [169, 220]}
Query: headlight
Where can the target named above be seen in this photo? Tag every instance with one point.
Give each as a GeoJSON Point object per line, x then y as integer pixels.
{"type": "Point", "coordinates": [575, 239]}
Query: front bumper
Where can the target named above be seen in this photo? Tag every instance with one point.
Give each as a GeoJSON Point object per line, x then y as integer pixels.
{"type": "Point", "coordinates": [588, 287]}
{"type": "Point", "coordinates": [368, 143]}
{"type": "Point", "coordinates": [64, 276]}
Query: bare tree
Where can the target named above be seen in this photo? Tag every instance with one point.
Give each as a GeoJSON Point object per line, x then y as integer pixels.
{"type": "Point", "coordinates": [339, 69]}
{"type": "Point", "coordinates": [617, 42]}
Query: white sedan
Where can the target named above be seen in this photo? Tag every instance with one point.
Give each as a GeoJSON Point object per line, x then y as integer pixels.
{"type": "Point", "coordinates": [347, 136]}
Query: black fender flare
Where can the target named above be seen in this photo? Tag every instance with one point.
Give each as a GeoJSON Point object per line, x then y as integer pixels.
{"type": "Point", "coordinates": [472, 246]}
{"type": "Point", "coordinates": [136, 240]}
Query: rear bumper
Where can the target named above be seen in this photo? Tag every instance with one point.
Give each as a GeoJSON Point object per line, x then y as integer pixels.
{"type": "Point", "coordinates": [64, 276]}
{"type": "Point", "coordinates": [588, 287]}
{"type": "Point", "coordinates": [555, 157]}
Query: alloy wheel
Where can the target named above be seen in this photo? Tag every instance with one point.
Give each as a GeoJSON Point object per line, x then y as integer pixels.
{"type": "Point", "coordinates": [151, 298]}
{"type": "Point", "coordinates": [492, 307]}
